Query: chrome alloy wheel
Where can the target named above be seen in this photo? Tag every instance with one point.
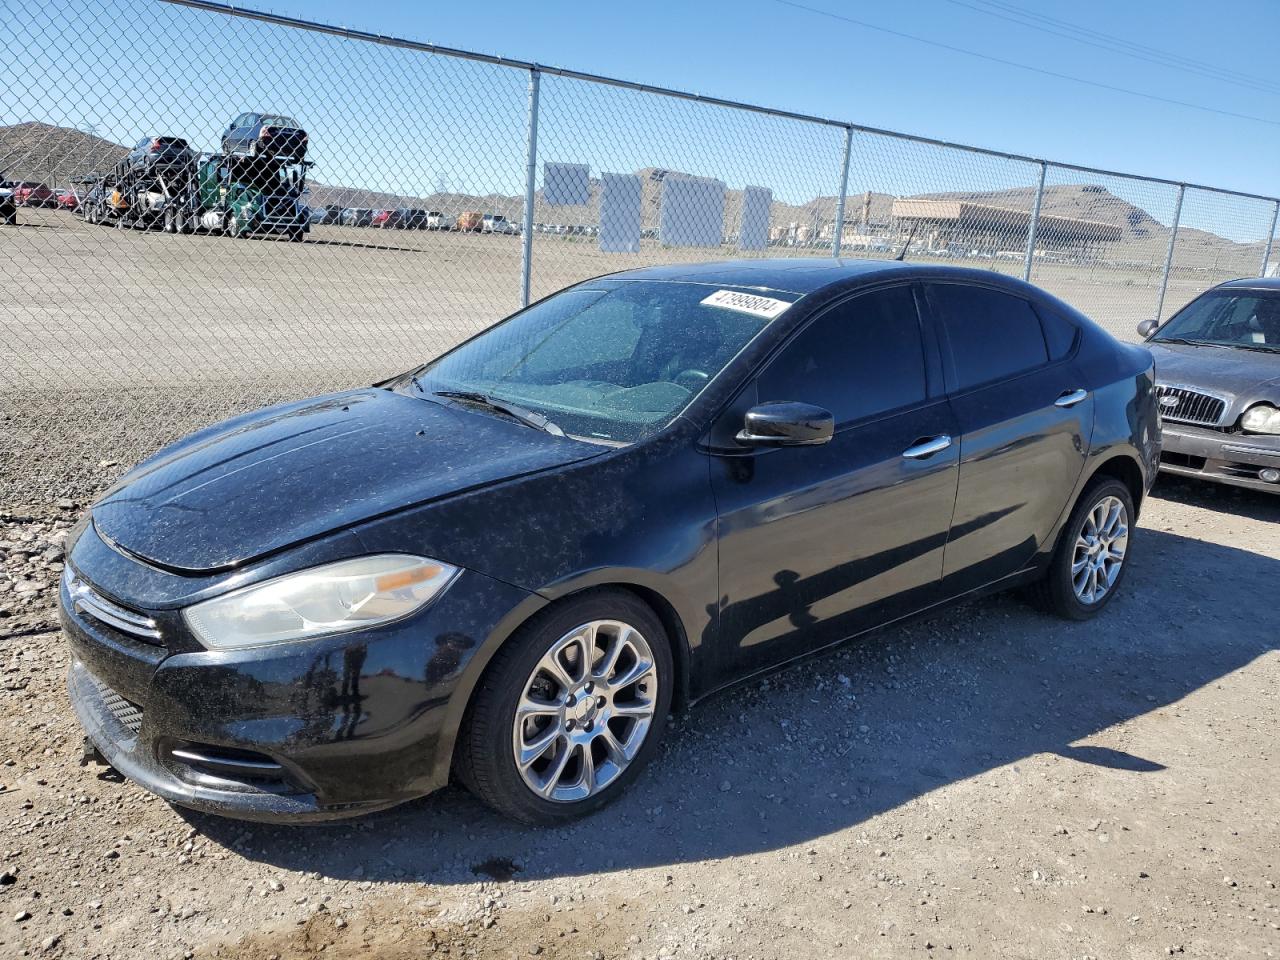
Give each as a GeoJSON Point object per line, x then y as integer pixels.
{"type": "Point", "coordinates": [1100, 549]}
{"type": "Point", "coordinates": [585, 711]}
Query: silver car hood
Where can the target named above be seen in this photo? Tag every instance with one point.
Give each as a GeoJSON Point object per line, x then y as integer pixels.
{"type": "Point", "coordinates": [1241, 377]}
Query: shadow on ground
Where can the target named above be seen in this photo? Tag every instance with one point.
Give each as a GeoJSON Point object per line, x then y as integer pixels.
{"type": "Point", "coordinates": [832, 742]}
{"type": "Point", "coordinates": [1219, 497]}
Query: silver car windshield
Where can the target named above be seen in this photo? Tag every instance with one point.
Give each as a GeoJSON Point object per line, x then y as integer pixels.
{"type": "Point", "coordinates": [611, 359]}
{"type": "Point", "coordinates": [1249, 319]}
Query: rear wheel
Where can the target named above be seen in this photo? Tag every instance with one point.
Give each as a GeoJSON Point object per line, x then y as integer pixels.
{"type": "Point", "coordinates": [1089, 563]}
{"type": "Point", "coordinates": [170, 221]}
{"type": "Point", "coordinates": [570, 709]}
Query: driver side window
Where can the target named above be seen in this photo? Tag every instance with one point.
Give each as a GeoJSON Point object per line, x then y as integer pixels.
{"type": "Point", "coordinates": [861, 358]}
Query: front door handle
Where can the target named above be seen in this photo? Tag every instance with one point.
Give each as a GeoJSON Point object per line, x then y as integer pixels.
{"type": "Point", "coordinates": [927, 448]}
{"type": "Point", "coordinates": [1071, 398]}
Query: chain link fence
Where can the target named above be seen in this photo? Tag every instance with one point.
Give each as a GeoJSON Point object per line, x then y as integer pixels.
{"type": "Point", "coordinates": [218, 209]}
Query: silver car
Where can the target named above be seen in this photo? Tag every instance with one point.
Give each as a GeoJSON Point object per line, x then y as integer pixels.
{"type": "Point", "coordinates": [1218, 377]}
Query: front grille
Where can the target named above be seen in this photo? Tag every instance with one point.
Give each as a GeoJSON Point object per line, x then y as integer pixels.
{"type": "Point", "coordinates": [128, 713]}
{"type": "Point", "coordinates": [86, 600]}
{"type": "Point", "coordinates": [1183, 405]}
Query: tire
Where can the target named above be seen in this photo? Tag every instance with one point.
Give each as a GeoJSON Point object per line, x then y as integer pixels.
{"type": "Point", "coordinates": [170, 222]}
{"type": "Point", "coordinates": [235, 229]}
{"type": "Point", "coordinates": [485, 756]}
{"type": "Point", "coordinates": [1057, 592]}
{"type": "Point", "coordinates": [296, 235]}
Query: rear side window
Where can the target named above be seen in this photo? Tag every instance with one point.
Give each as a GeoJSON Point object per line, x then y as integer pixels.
{"type": "Point", "coordinates": [861, 358]}
{"type": "Point", "coordinates": [993, 335]}
{"type": "Point", "coordinates": [1059, 333]}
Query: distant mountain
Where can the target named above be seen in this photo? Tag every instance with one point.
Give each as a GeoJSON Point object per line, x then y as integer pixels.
{"type": "Point", "coordinates": [57, 156]}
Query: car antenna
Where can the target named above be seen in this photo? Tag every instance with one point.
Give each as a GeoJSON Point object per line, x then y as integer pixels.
{"type": "Point", "coordinates": [902, 254]}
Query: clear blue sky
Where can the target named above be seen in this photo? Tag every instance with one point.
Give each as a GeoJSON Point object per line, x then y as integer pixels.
{"type": "Point", "coordinates": [764, 52]}
{"type": "Point", "coordinates": [402, 122]}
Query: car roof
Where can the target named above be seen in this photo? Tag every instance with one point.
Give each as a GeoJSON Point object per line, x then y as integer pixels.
{"type": "Point", "coordinates": [1252, 283]}
{"type": "Point", "coordinates": [804, 275]}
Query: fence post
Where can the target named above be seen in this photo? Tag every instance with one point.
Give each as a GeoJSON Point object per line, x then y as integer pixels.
{"type": "Point", "coordinates": [530, 184]}
{"type": "Point", "coordinates": [1266, 254]}
{"type": "Point", "coordinates": [1033, 227]}
{"type": "Point", "coordinates": [1168, 257]}
{"type": "Point", "coordinates": [838, 233]}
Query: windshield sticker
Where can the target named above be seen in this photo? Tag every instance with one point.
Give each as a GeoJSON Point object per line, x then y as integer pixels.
{"type": "Point", "coordinates": [751, 303]}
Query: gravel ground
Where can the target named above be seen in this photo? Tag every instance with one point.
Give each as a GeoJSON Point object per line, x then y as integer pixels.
{"type": "Point", "coordinates": [990, 783]}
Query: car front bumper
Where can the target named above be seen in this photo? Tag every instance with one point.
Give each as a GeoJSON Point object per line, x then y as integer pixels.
{"type": "Point", "coordinates": [301, 731]}
{"type": "Point", "coordinates": [1235, 459]}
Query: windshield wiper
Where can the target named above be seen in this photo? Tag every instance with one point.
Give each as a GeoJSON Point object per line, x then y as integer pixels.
{"type": "Point", "coordinates": [1260, 347]}
{"type": "Point", "coordinates": [527, 417]}
{"type": "Point", "coordinates": [1194, 343]}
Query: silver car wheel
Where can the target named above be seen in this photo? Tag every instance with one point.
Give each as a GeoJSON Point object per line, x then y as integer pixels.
{"type": "Point", "coordinates": [585, 711]}
{"type": "Point", "coordinates": [1099, 550]}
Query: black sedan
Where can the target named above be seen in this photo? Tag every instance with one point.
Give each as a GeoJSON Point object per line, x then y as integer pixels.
{"type": "Point", "coordinates": [511, 563]}
{"type": "Point", "coordinates": [265, 135]}
{"type": "Point", "coordinates": [1218, 374]}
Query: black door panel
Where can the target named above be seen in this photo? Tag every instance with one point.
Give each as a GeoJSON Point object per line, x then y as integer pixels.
{"type": "Point", "coordinates": [1020, 458]}
{"type": "Point", "coordinates": [1021, 452]}
{"type": "Point", "coordinates": [819, 542]}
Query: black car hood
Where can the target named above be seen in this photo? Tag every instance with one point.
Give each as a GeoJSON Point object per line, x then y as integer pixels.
{"type": "Point", "coordinates": [263, 482]}
{"type": "Point", "coordinates": [1221, 370]}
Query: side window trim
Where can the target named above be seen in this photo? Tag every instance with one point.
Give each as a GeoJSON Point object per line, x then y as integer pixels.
{"type": "Point", "coordinates": [944, 338]}
{"type": "Point", "coordinates": [843, 425]}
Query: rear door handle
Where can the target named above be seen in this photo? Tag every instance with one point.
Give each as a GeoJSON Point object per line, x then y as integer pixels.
{"type": "Point", "coordinates": [1071, 398]}
{"type": "Point", "coordinates": [927, 448]}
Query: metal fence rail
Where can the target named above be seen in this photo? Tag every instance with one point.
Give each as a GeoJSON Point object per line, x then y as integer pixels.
{"type": "Point", "coordinates": [441, 190]}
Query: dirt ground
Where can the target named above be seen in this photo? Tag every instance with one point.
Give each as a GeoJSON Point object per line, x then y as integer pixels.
{"type": "Point", "coordinates": [988, 783]}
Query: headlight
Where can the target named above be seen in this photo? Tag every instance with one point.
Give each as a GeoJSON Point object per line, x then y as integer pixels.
{"type": "Point", "coordinates": [336, 597]}
{"type": "Point", "coordinates": [1263, 418]}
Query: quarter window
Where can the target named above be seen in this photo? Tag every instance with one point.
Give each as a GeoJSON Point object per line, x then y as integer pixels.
{"type": "Point", "coordinates": [993, 335]}
{"type": "Point", "coordinates": [861, 358]}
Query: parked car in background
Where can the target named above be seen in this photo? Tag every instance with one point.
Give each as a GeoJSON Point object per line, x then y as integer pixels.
{"type": "Point", "coordinates": [409, 218]}
{"type": "Point", "coordinates": [632, 493]}
{"type": "Point", "coordinates": [379, 218]}
{"type": "Point", "coordinates": [1218, 376]}
{"type": "Point", "coordinates": [8, 205]}
{"type": "Point", "coordinates": [152, 155]}
{"type": "Point", "coordinates": [67, 199]}
{"type": "Point", "coordinates": [437, 220]}
{"type": "Point", "coordinates": [497, 223]}
{"type": "Point", "coordinates": [356, 217]}
{"type": "Point", "coordinates": [332, 213]}
{"type": "Point", "coordinates": [265, 134]}
{"type": "Point", "coordinates": [469, 221]}
{"type": "Point", "coordinates": [32, 193]}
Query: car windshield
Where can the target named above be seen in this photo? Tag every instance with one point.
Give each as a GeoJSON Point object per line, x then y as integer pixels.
{"type": "Point", "coordinates": [1248, 318]}
{"type": "Point", "coordinates": [612, 360]}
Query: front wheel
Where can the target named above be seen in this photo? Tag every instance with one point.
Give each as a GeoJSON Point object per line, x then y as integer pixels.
{"type": "Point", "coordinates": [570, 709]}
{"type": "Point", "coordinates": [1089, 564]}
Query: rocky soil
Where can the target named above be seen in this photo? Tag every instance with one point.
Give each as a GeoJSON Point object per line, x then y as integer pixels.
{"type": "Point", "coordinates": [988, 783]}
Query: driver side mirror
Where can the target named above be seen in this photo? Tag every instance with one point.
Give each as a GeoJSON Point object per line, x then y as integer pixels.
{"type": "Point", "coordinates": [1147, 327]}
{"type": "Point", "coordinates": [786, 424]}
